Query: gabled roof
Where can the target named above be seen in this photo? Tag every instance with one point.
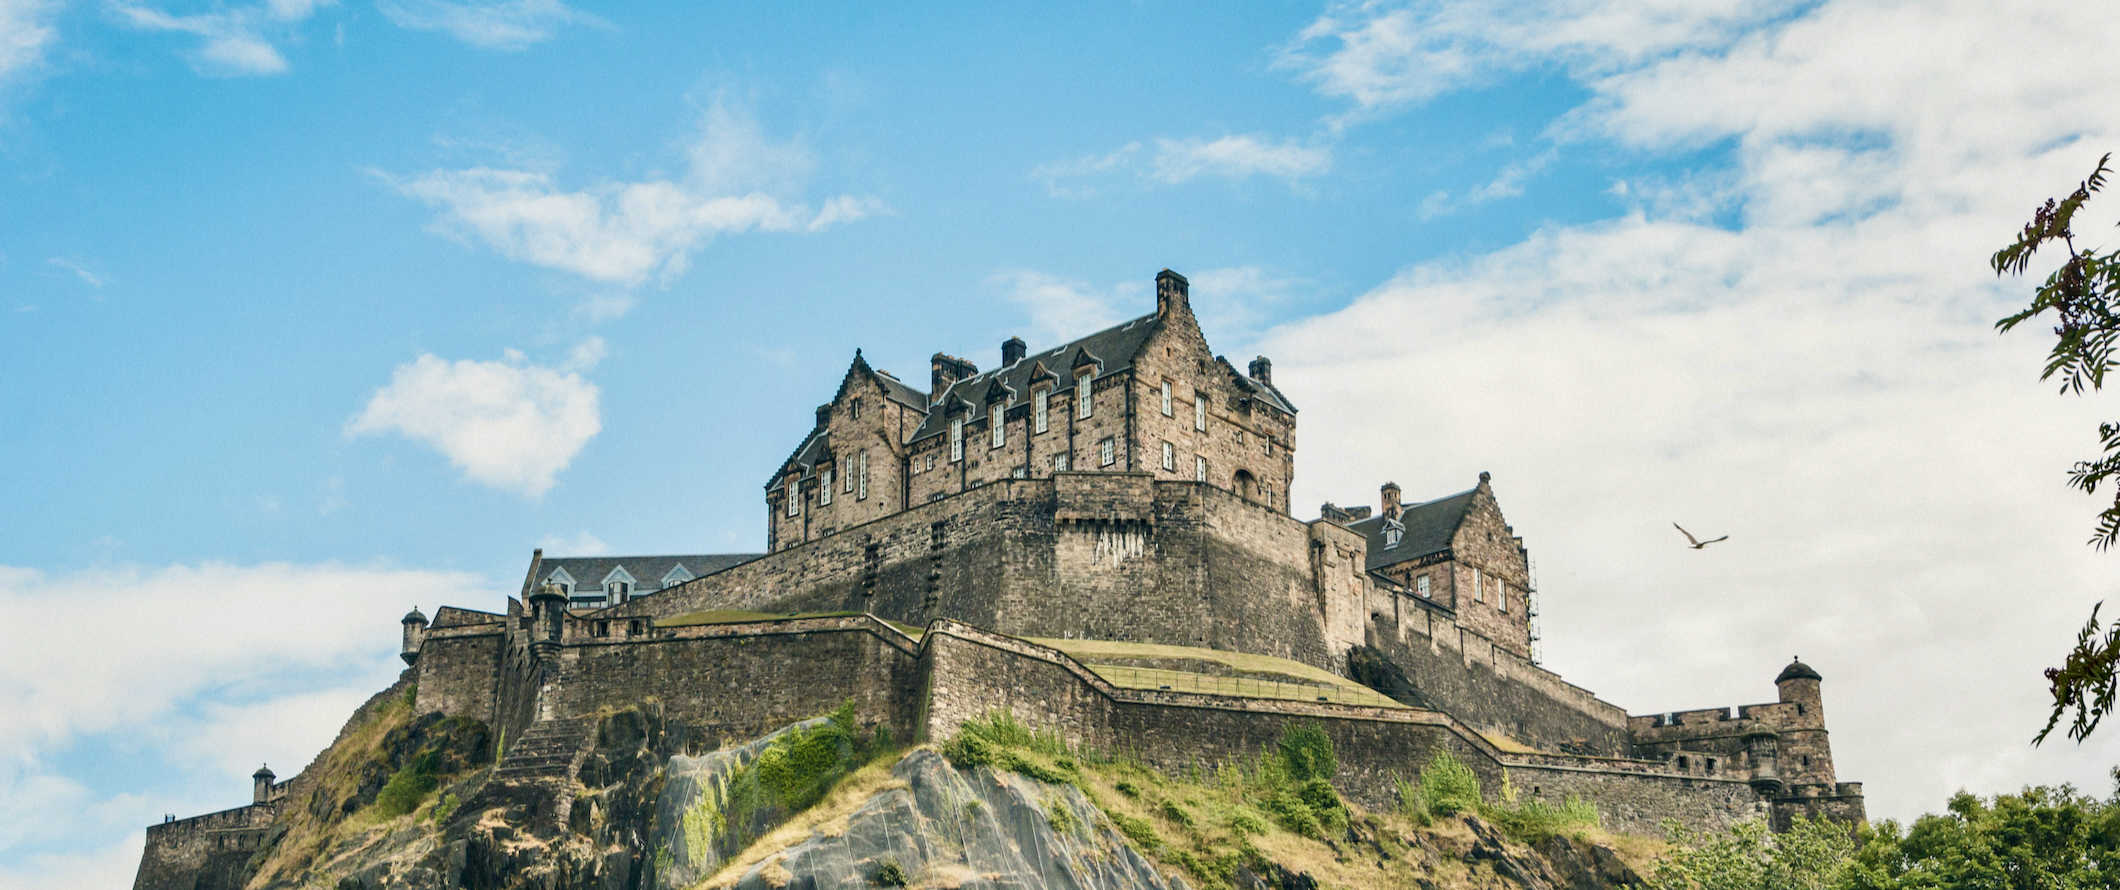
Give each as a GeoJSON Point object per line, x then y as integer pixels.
{"type": "Point", "coordinates": [817, 444]}
{"type": "Point", "coordinates": [1113, 349]}
{"type": "Point", "coordinates": [893, 388]}
{"type": "Point", "coordinates": [601, 568]}
{"type": "Point", "coordinates": [1429, 527]}
{"type": "Point", "coordinates": [1264, 392]}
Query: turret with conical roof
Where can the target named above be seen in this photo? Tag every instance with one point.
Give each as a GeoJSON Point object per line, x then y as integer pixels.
{"type": "Point", "coordinates": [1806, 758]}
{"type": "Point", "coordinates": [415, 633]}
{"type": "Point", "coordinates": [261, 784]}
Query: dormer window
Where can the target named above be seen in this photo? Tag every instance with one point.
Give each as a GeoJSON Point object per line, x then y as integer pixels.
{"type": "Point", "coordinates": [677, 574]}
{"type": "Point", "coordinates": [1394, 531]}
{"type": "Point", "coordinates": [997, 432]}
{"type": "Point", "coordinates": [1082, 393]}
{"type": "Point", "coordinates": [1041, 399]}
{"type": "Point", "coordinates": [564, 580]}
{"type": "Point", "coordinates": [794, 494]}
{"type": "Point", "coordinates": [956, 439]}
{"type": "Point", "coordinates": [615, 592]}
{"type": "Point", "coordinates": [824, 487]}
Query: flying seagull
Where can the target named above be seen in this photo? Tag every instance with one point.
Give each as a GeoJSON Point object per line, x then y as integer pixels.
{"type": "Point", "coordinates": [1696, 542]}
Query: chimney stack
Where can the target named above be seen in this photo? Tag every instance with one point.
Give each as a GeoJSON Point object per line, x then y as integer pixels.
{"type": "Point", "coordinates": [1012, 351]}
{"type": "Point", "coordinates": [947, 369]}
{"type": "Point", "coordinates": [1391, 500]}
{"type": "Point", "coordinates": [1172, 294]}
{"type": "Point", "coordinates": [1262, 370]}
{"type": "Point", "coordinates": [824, 414]}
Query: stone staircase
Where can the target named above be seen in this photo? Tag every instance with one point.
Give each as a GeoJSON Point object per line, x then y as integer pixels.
{"type": "Point", "coordinates": [531, 780]}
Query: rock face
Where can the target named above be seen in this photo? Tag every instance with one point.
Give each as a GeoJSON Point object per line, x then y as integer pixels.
{"type": "Point", "coordinates": [695, 792]}
{"type": "Point", "coordinates": [973, 829]}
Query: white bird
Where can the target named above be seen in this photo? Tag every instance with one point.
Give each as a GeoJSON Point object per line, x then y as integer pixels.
{"type": "Point", "coordinates": [1696, 542]}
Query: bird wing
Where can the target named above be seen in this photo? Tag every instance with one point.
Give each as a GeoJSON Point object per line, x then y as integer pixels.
{"type": "Point", "coordinates": [1690, 539]}
{"type": "Point", "coordinates": [1723, 538]}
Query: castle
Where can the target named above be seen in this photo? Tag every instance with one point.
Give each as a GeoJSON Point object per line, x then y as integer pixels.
{"type": "Point", "coordinates": [1097, 538]}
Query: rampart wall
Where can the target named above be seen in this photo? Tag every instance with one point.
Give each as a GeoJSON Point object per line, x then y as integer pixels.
{"type": "Point", "coordinates": [459, 669]}
{"type": "Point", "coordinates": [202, 851]}
{"type": "Point", "coordinates": [1485, 684]}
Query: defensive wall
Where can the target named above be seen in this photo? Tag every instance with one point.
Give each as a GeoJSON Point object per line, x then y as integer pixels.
{"type": "Point", "coordinates": [734, 681]}
{"type": "Point", "coordinates": [1460, 670]}
{"type": "Point", "coordinates": [1118, 556]}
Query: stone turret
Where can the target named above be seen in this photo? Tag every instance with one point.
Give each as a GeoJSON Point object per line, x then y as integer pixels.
{"type": "Point", "coordinates": [550, 607]}
{"type": "Point", "coordinates": [1805, 757]}
{"type": "Point", "coordinates": [261, 784]}
{"type": "Point", "coordinates": [415, 634]}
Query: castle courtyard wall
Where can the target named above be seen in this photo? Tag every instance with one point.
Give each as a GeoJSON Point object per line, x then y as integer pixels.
{"type": "Point", "coordinates": [459, 670]}
{"type": "Point", "coordinates": [1487, 685]}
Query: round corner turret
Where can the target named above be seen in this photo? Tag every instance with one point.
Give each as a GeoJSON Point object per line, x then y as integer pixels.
{"type": "Point", "coordinates": [1797, 670]}
{"type": "Point", "coordinates": [261, 784]}
{"type": "Point", "coordinates": [415, 634]}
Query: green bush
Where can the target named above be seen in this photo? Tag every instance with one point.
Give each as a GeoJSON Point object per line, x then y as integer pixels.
{"type": "Point", "coordinates": [1307, 752]}
{"type": "Point", "coordinates": [890, 874]}
{"type": "Point", "coordinates": [1246, 823]}
{"type": "Point", "coordinates": [409, 786]}
{"type": "Point", "coordinates": [1535, 820]}
{"type": "Point", "coordinates": [1059, 816]}
{"type": "Point", "coordinates": [1174, 812]}
{"type": "Point", "coordinates": [1137, 830]}
{"type": "Point", "coordinates": [1448, 786]}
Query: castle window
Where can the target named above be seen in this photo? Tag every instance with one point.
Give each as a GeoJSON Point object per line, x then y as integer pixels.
{"type": "Point", "coordinates": [1711, 766]}
{"type": "Point", "coordinates": [854, 409]}
{"type": "Point", "coordinates": [997, 431]}
{"type": "Point", "coordinates": [1479, 595]}
{"type": "Point", "coordinates": [603, 628]}
{"type": "Point", "coordinates": [1022, 473]}
{"type": "Point", "coordinates": [1266, 493]}
{"type": "Point", "coordinates": [616, 591]}
{"type": "Point", "coordinates": [861, 472]}
{"type": "Point", "coordinates": [1199, 410]}
{"type": "Point", "coordinates": [1199, 468]}
{"type": "Point", "coordinates": [1041, 399]}
{"type": "Point", "coordinates": [1166, 398]}
{"type": "Point", "coordinates": [794, 497]}
{"type": "Point", "coordinates": [1393, 531]}
{"type": "Point", "coordinates": [1107, 452]}
{"type": "Point", "coordinates": [824, 487]}
{"type": "Point", "coordinates": [635, 627]}
{"type": "Point", "coordinates": [956, 439]}
{"type": "Point", "coordinates": [1501, 595]}
{"type": "Point", "coordinates": [1420, 586]}
{"type": "Point", "coordinates": [1060, 462]}
{"type": "Point", "coordinates": [1682, 765]}
{"type": "Point", "coordinates": [1807, 761]}
{"type": "Point", "coordinates": [1082, 393]}
{"type": "Point", "coordinates": [1170, 457]}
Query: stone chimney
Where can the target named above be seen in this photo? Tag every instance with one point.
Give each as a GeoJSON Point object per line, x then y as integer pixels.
{"type": "Point", "coordinates": [1262, 370]}
{"type": "Point", "coordinates": [1172, 294]}
{"type": "Point", "coordinates": [947, 369]}
{"type": "Point", "coordinates": [824, 414]}
{"type": "Point", "coordinates": [261, 784]}
{"type": "Point", "coordinates": [1013, 350]}
{"type": "Point", "coordinates": [1391, 498]}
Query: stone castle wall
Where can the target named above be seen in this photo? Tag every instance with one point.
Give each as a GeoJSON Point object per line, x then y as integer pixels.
{"type": "Point", "coordinates": [1487, 684]}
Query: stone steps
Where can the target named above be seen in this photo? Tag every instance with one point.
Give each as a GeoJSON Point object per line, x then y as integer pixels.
{"type": "Point", "coordinates": [549, 749]}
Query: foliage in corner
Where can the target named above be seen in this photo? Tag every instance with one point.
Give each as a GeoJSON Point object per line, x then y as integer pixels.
{"type": "Point", "coordinates": [2082, 294]}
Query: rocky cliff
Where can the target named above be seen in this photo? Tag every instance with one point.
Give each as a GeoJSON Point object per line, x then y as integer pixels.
{"type": "Point", "coordinates": [629, 800]}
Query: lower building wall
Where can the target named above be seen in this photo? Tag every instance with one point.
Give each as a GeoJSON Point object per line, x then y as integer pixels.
{"type": "Point", "coordinates": [734, 682]}
{"type": "Point", "coordinates": [459, 671]}
{"type": "Point", "coordinates": [206, 852]}
{"type": "Point", "coordinates": [1458, 671]}
{"type": "Point", "coordinates": [972, 673]}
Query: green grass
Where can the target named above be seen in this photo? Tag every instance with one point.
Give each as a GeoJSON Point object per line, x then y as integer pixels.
{"type": "Point", "coordinates": [1448, 787]}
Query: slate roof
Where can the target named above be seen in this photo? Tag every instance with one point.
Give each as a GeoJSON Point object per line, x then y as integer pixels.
{"type": "Point", "coordinates": [648, 571]}
{"type": "Point", "coordinates": [1797, 670]}
{"type": "Point", "coordinates": [1429, 527]}
{"type": "Point", "coordinates": [1114, 349]}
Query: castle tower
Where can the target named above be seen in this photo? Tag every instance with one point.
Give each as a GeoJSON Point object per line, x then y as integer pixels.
{"type": "Point", "coordinates": [261, 784]}
{"type": "Point", "coordinates": [415, 633]}
{"type": "Point", "coordinates": [550, 608]}
{"type": "Point", "coordinates": [1804, 756]}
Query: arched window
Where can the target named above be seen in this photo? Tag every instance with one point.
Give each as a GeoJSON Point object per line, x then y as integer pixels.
{"type": "Point", "coordinates": [1247, 487]}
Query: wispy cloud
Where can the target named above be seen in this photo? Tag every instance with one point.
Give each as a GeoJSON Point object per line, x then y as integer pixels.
{"type": "Point", "coordinates": [25, 33]}
{"type": "Point", "coordinates": [626, 233]}
{"type": "Point", "coordinates": [604, 307]}
{"type": "Point", "coordinates": [507, 424]}
{"type": "Point", "coordinates": [1175, 161]}
{"type": "Point", "coordinates": [1507, 183]}
{"type": "Point", "coordinates": [508, 26]}
{"type": "Point", "coordinates": [79, 270]}
{"type": "Point", "coordinates": [234, 41]}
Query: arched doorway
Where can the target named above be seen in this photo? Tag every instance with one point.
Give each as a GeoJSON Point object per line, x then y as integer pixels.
{"type": "Point", "coordinates": [1247, 487]}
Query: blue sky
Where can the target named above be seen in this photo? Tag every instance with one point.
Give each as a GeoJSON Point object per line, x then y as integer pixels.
{"type": "Point", "coordinates": [312, 311]}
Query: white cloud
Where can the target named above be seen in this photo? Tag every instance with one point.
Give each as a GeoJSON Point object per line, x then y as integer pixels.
{"type": "Point", "coordinates": [87, 275]}
{"type": "Point", "coordinates": [627, 232]}
{"type": "Point", "coordinates": [586, 355]}
{"type": "Point", "coordinates": [578, 544]}
{"type": "Point", "coordinates": [1237, 157]}
{"type": "Point", "coordinates": [604, 307]}
{"type": "Point", "coordinates": [1178, 161]}
{"type": "Point", "coordinates": [234, 40]}
{"type": "Point", "coordinates": [507, 424]}
{"type": "Point", "coordinates": [1380, 55]}
{"type": "Point", "coordinates": [1822, 383]}
{"type": "Point", "coordinates": [112, 866]}
{"type": "Point", "coordinates": [1507, 183]}
{"type": "Point", "coordinates": [25, 33]}
{"type": "Point", "coordinates": [510, 25]}
{"type": "Point", "coordinates": [1061, 308]}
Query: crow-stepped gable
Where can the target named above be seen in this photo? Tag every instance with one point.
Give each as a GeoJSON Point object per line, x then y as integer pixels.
{"type": "Point", "coordinates": [1095, 536]}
